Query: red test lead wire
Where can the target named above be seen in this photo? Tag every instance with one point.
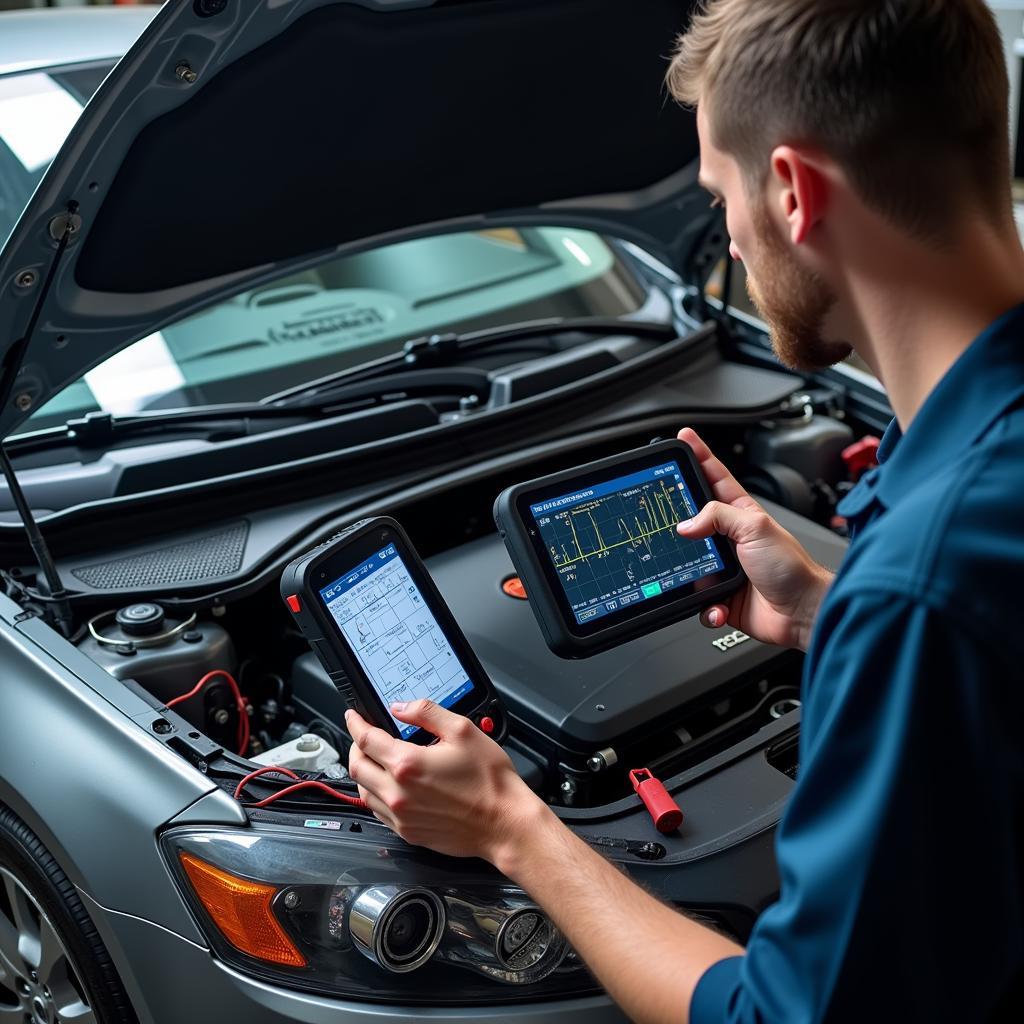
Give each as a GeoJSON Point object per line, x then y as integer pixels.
{"type": "Point", "coordinates": [243, 743]}
{"type": "Point", "coordinates": [665, 812]}
{"type": "Point", "coordinates": [243, 712]}
{"type": "Point", "coordinates": [300, 783]}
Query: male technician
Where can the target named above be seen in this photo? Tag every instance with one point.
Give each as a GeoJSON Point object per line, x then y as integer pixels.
{"type": "Point", "coordinates": [860, 148]}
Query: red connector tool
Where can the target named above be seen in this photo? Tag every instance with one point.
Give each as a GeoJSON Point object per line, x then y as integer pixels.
{"type": "Point", "coordinates": [663, 809]}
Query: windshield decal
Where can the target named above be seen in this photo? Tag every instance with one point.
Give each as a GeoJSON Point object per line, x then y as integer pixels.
{"type": "Point", "coordinates": [346, 317]}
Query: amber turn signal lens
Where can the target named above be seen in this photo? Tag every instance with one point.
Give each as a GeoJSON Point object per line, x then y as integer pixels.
{"type": "Point", "coordinates": [241, 910]}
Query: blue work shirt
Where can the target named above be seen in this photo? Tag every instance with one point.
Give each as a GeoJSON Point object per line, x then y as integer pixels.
{"type": "Point", "coordinates": [901, 851]}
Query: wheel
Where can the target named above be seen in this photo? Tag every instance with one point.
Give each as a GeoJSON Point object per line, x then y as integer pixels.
{"type": "Point", "coordinates": [54, 969]}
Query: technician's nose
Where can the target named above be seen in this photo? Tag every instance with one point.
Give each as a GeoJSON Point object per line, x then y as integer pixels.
{"type": "Point", "coordinates": [735, 253]}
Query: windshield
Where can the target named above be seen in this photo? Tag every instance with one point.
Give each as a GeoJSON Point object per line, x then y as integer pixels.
{"type": "Point", "coordinates": [349, 310]}
{"type": "Point", "coordinates": [338, 314]}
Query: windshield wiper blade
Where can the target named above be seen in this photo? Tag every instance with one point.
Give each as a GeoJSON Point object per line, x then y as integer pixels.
{"type": "Point", "coordinates": [439, 350]}
{"type": "Point", "coordinates": [98, 429]}
{"type": "Point", "coordinates": [422, 369]}
{"type": "Point", "coordinates": [454, 382]}
{"type": "Point", "coordinates": [101, 430]}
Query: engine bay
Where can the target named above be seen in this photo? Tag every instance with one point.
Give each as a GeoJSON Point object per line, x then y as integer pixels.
{"type": "Point", "coordinates": [239, 672]}
{"type": "Point", "coordinates": [185, 631]}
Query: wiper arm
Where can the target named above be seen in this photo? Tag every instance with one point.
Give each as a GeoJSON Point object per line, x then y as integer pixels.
{"type": "Point", "coordinates": [423, 369]}
{"type": "Point", "coordinates": [439, 350]}
{"type": "Point", "coordinates": [102, 430]}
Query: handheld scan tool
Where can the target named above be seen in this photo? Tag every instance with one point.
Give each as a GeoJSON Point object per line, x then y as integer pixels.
{"type": "Point", "coordinates": [598, 551]}
{"type": "Point", "coordinates": [367, 605]}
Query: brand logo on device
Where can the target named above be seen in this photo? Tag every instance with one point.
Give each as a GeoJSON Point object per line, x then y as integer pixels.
{"type": "Point", "coordinates": [724, 643]}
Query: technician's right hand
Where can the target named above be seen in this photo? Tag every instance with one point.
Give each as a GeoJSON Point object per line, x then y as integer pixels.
{"type": "Point", "coordinates": [786, 586]}
{"type": "Point", "coordinates": [460, 796]}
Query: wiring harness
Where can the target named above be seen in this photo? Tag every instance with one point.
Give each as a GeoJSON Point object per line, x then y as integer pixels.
{"type": "Point", "coordinates": [299, 784]}
{"type": "Point", "coordinates": [243, 744]}
{"type": "Point", "coordinates": [243, 707]}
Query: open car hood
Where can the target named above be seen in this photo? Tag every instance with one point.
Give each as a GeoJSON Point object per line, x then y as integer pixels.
{"type": "Point", "coordinates": [239, 140]}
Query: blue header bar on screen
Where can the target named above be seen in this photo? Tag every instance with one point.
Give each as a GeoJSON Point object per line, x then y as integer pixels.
{"type": "Point", "coordinates": [622, 483]}
{"type": "Point", "coordinates": [349, 580]}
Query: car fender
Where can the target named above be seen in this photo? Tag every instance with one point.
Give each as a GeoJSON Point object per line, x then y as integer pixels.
{"type": "Point", "coordinates": [87, 778]}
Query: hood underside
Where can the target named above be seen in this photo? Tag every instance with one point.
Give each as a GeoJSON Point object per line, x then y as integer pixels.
{"type": "Point", "coordinates": [229, 149]}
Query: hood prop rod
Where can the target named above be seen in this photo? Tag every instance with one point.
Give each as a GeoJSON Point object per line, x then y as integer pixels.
{"type": "Point", "coordinates": [58, 595]}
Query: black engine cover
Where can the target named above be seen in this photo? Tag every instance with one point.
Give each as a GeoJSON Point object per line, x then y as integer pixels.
{"type": "Point", "coordinates": [584, 706]}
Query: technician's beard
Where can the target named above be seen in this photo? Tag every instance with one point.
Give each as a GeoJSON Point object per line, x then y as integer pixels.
{"type": "Point", "coordinates": [793, 301]}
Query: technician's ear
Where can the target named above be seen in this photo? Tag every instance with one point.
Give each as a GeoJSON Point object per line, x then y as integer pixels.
{"type": "Point", "coordinates": [801, 188]}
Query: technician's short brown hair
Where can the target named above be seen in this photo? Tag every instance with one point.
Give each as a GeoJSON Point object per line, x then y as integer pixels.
{"type": "Point", "coordinates": [908, 96]}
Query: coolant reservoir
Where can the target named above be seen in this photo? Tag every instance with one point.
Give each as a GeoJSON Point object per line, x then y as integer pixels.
{"type": "Point", "coordinates": [165, 656]}
{"type": "Point", "coordinates": [308, 752]}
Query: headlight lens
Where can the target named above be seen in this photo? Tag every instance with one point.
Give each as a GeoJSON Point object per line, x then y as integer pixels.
{"type": "Point", "coordinates": [362, 915]}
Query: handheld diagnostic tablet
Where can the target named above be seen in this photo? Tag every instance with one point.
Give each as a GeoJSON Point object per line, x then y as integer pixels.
{"type": "Point", "coordinates": [598, 551]}
{"type": "Point", "coordinates": [367, 605]}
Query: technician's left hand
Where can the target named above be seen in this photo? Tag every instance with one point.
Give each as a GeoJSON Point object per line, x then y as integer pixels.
{"type": "Point", "coordinates": [460, 796]}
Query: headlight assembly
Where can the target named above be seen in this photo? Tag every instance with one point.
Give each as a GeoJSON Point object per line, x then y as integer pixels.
{"type": "Point", "coordinates": [360, 914]}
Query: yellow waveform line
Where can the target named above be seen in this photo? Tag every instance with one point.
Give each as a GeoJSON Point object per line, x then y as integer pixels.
{"type": "Point", "coordinates": [639, 529]}
{"type": "Point", "coordinates": [661, 511]}
{"type": "Point", "coordinates": [660, 521]}
{"type": "Point", "coordinates": [669, 519]}
{"type": "Point", "coordinates": [647, 509]}
{"type": "Point", "coordinates": [668, 497]}
{"type": "Point", "coordinates": [611, 547]}
{"type": "Point", "coordinates": [572, 526]}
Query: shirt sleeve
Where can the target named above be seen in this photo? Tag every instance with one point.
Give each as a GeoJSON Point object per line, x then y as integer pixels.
{"type": "Point", "coordinates": [899, 852]}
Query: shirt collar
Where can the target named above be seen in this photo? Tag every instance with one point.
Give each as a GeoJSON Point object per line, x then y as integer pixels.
{"type": "Point", "coordinates": [980, 386]}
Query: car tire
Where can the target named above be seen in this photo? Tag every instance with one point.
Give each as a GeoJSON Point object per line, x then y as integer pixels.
{"type": "Point", "coordinates": [51, 956]}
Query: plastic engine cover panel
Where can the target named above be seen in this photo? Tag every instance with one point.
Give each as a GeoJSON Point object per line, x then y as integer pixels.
{"type": "Point", "coordinates": [585, 705]}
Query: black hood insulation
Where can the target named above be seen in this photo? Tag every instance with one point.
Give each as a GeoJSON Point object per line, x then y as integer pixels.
{"type": "Point", "coordinates": [355, 122]}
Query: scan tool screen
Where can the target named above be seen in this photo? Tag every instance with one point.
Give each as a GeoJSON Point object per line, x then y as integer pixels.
{"type": "Point", "coordinates": [615, 544]}
{"type": "Point", "coordinates": [394, 635]}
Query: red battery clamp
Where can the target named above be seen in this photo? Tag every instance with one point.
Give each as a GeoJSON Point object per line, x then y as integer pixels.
{"type": "Point", "coordinates": [665, 812]}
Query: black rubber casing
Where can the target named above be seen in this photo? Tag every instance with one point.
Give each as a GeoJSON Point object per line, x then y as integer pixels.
{"type": "Point", "coordinates": [302, 580]}
{"type": "Point", "coordinates": [563, 635]}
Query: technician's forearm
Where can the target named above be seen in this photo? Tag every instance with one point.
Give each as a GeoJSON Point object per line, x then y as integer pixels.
{"type": "Point", "coordinates": [647, 956]}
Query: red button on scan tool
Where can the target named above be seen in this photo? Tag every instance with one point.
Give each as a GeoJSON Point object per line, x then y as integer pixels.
{"type": "Point", "coordinates": [487, 725]}
{"type": "Point", "coordinates": [293, 603]}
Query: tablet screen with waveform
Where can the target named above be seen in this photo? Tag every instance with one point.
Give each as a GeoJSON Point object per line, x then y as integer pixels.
{"type": "Point", "coordinates": [615, 544]}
